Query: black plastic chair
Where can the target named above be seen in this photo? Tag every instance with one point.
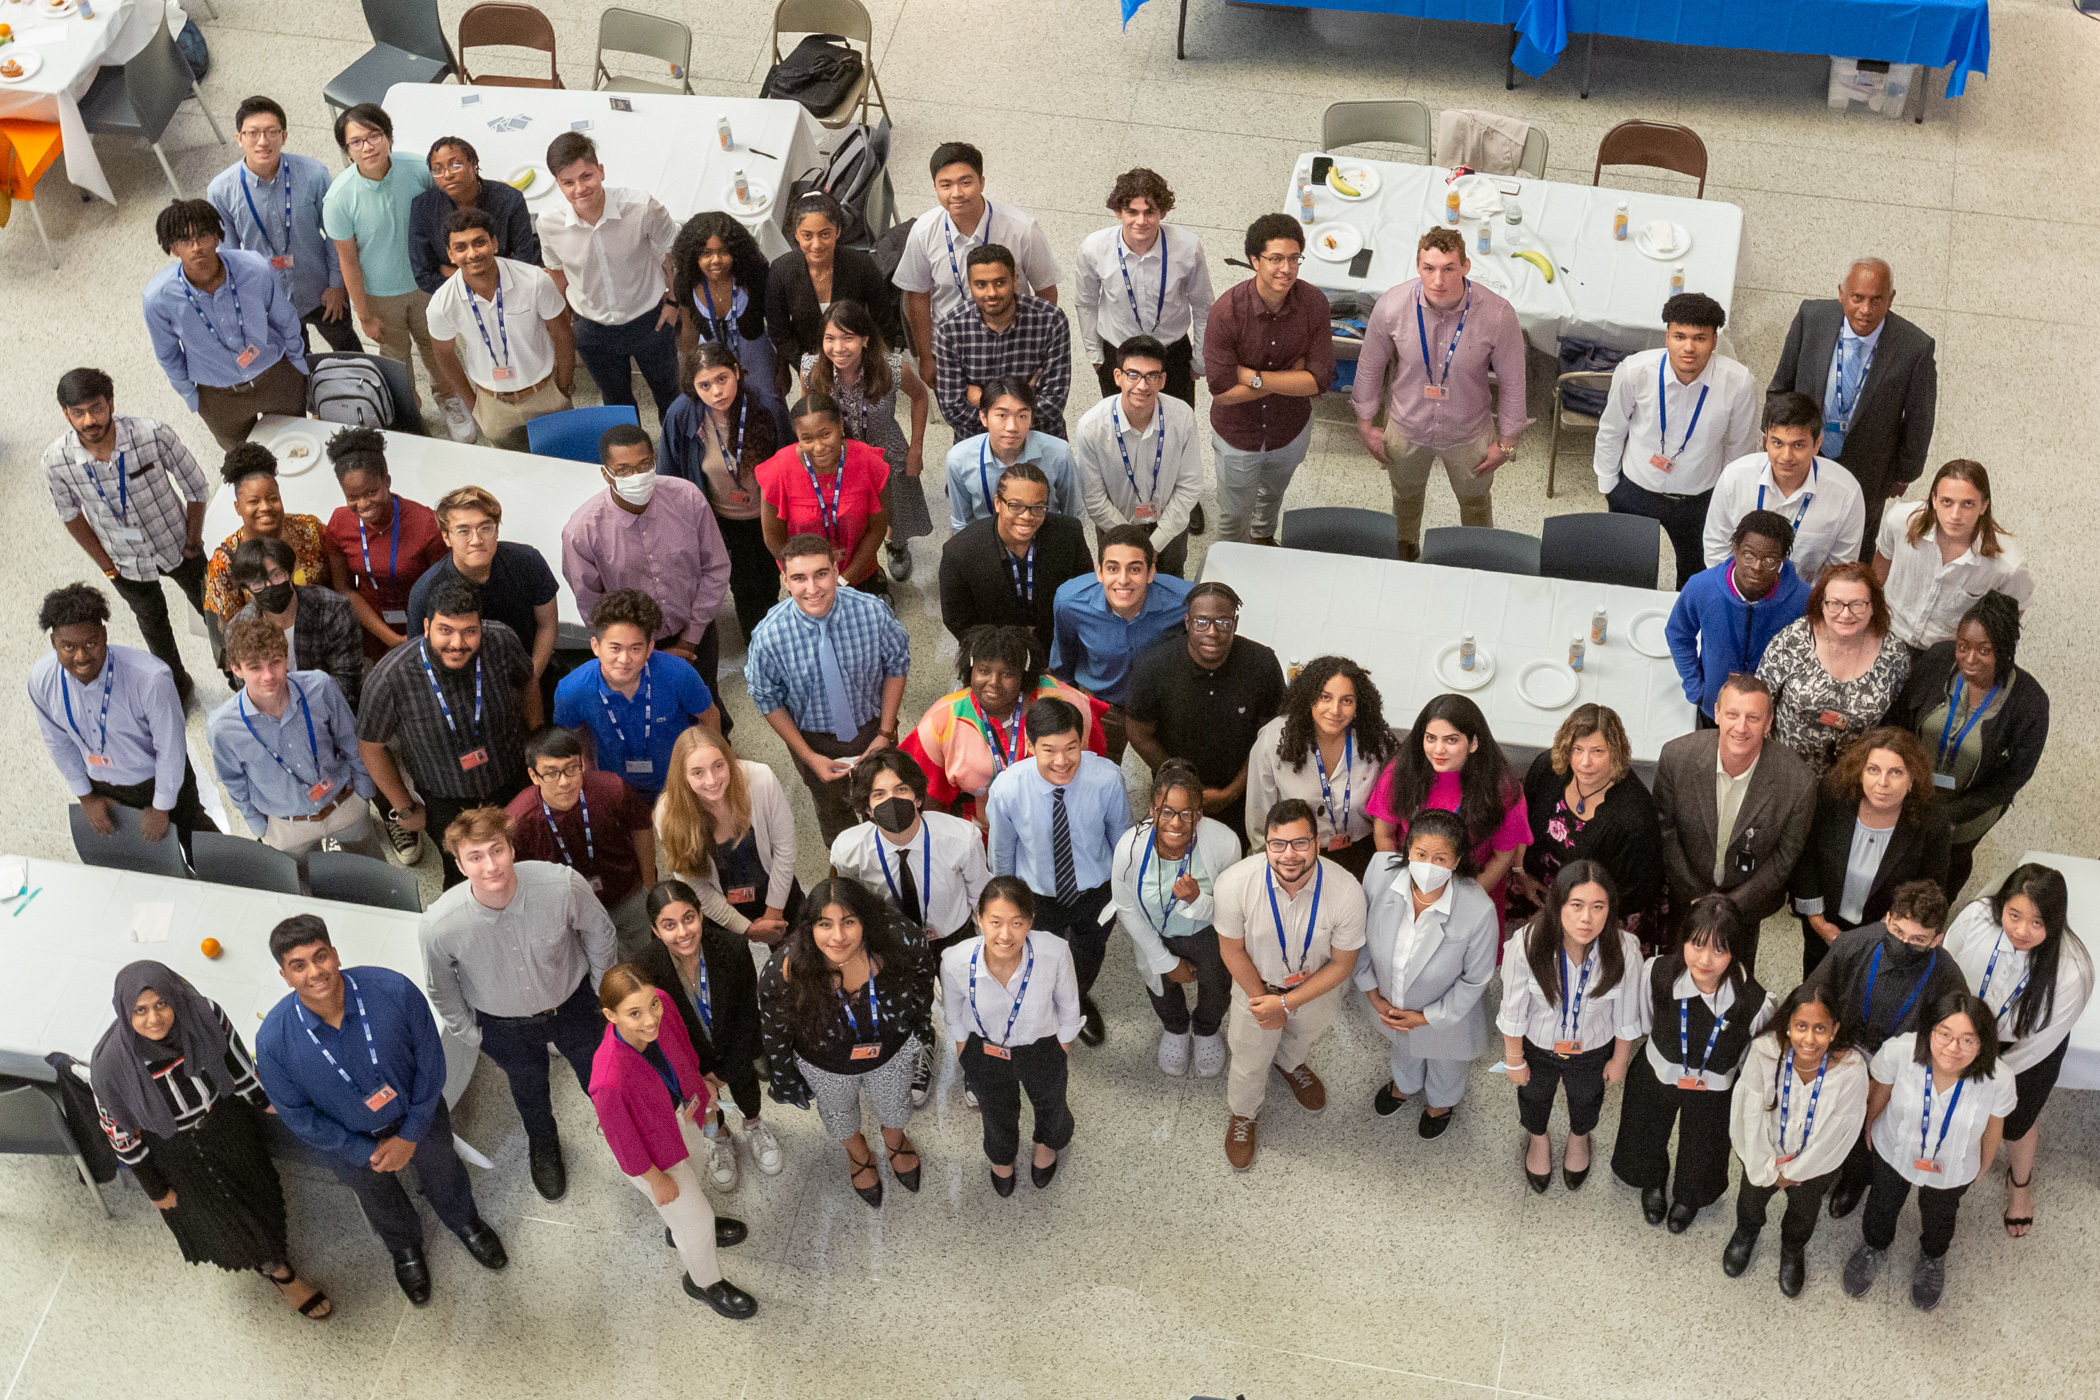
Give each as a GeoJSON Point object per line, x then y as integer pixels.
{"type": "Point", "coordinates": [1366, 534]}
{"type": "Point", "coordinates": [1595, 547]}
{"type": "Point", "coordinates": [32, 1124]}
{"type": "Point", "coordinates": [1481, 547]}
{"type": "Point", "coordinates": [408, 46]}
{"type": "Point", "coordinates": [356, 879]}
{"type": "Point", "coordinates": [240, 861]}
{"type": "Point", "coordinates": [139, 98]}
{"type": "Point", "coordinates": [127, 848]}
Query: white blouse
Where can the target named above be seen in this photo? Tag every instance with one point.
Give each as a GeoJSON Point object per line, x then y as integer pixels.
{"type": "Point", "coordinates": [1147, 908]}
{"type": "Point", "coordinates": [1049, 995]}
{"type": "Point", "coordinates": [1948, 1132]}
{"type": "Point", "coordinates": [1719, 1003]}
{"type": "Point", "coordinates": [1997, 972]}
{"type": "Point", "coordinates": [1926, 597]}
{"type": "Point", "coordinates": [1820, 1125]}
{"type": "Point", "coordinates": [1340, 808]}
{"type": "Point", "coordinates": [1603, 1017]}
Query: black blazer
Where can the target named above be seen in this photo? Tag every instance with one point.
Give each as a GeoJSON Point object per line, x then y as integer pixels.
{"type": "Point", "coordinates": [2012, 738]}
{"type": "Point", "coordinates": [1917, 851]}
{"type": "Point", "coordinates": [1892, 427]}
{"type": "Point", "coordinates": [732, 994]}
{"type": "Point", "coordinates": [977, 587]}
{"type": "Point", "coordinates": [796, 322]}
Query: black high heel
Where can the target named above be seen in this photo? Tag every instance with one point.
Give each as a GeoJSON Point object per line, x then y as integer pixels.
{"type": "Point", "coordinates": [909, 1180]}
{"type": "Point", "coordinates": [1004, 1185]}
{"type": "Point", "coordinates": [871, 1194]}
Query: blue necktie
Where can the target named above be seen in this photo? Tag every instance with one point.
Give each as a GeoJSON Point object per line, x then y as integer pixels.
{"type": "Point", "coordinates": [834, 677]}
{"type": "Point", "coordinates": [1061, 849]}
{"type": "Point", "coordinates": [1848, 362]}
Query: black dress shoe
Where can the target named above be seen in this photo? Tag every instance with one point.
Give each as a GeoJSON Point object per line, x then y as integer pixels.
{"type": "Point", "coordinates": [1573, 1179]}
{"type": "Point", "coordinates": [1654, 1204]}
{"type": "Point", "coordinates": [1681, 1217]}
{"type": "Point", "coordinates": [729, 1232]}
{"type": "Point", "coordinates": [1385, 1103]}
{"type": "Point", "coordinates": [1793, 1270]}
{"type": "Point", "coordinates": [1095, 1030]}
{"type": "Point", "coordinates": [909, 1180]}
{"type": "Point", "coordinates": [1539, 1180]}
{"type": "Point", "coordinates": [1741, 1245]}
{"type": "Point", "coordinates": [549, 1176]}
{"type": "Point", "coordinates": [412, 1272]}
{"type": "Point", "coordinates": [1004, 1185]}
{"type": "Point", "coordinates": [484, 1244]}
{"type": "Point", "coordinates": [723, 1296]}
{"type": "Point", "coordinates": [1432, 1125]}
{"type": "Point", "coordinates": [1041, 1175]}
{"type": "Point", "coordinates": [1196, 521]}
{"type": "Point", "coordinates": [1844, 1200]}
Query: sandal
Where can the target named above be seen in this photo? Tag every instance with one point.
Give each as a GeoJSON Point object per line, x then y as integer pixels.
{"type": "Point", "coordinates": [2024, 1222]}
{"type": "Point", "coordinates": [909, 1180]}
{"type": "Point", "coordinates": [317, 1306]}
{"type": "Point", "coordinates": [872, 1194]}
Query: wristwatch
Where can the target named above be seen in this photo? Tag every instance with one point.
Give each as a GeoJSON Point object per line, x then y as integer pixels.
{"type": "Point", "coordinates": [1255, 382]}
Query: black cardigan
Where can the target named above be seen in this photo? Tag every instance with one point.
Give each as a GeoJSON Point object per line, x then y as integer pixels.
{"type": "Point", "coordinates": [2012, 738]}
{"type": "Point", "coordinates": [977, 586]}
{"type": "Point", "coordinates": [1917, 851]}
{"type": "Point", "coordinates": [796, 322]}
{"type": "Point", "coordinates": [732, 994]}
{"type": "Point", "coordinates": [1623, 835]}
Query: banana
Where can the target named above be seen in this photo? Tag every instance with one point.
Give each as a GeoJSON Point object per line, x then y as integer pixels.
{"type": "Point", "coordinates": [524, 182]}
{"type": "Point", "coordinates": [1340, 186]}
{"type": "Point", "coordinates": [1537, 260]}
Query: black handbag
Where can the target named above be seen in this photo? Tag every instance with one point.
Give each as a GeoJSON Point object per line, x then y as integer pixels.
{"type": "Point", "coordinates": [818, 73]}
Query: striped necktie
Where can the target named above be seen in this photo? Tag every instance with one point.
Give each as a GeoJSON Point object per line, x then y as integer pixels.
{"type": "Point", "coordinates": [1061, 848]}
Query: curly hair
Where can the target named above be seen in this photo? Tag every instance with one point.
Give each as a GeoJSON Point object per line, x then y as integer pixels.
{"type": "Point", "coordinates": [1999, 617]}
{"type": "Point", "coordinates": [1851, 571]}
{"type": "Point", "coordinates": [246, 459]}
{"type": "Point", "coordinates": [358, 450]}
{"type": "Point", "coordinates": [1140, 183]}
{"type": "Point", "coordinates": [1844, 779]}
{"type": "Point", "coordinates": [1373, 735]}
{"type": "Point", "coordinates": [747, 268]}
{"type": "Point", "coordinates": [812, 983]}
{"type": "Point", "coordinates": [1581, 723]}
{"type": "Point", "coordinates": [71, 606]}
{"type": "Point", "coordinates": [1012, 647]}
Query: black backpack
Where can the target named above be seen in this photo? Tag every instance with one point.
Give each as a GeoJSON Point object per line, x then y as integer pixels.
{"type": "Point", "coordinates": [853, 176]}
{"type": "Point", "coordinates": [818, 73]}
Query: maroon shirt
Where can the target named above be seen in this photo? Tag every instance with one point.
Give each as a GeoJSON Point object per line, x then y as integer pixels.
{"type": "Point", "coordinates": [1243, 331]}
{"type": "Point", "coordinates": [606, 855]}
{"type": "Point", "coordinates": [385, 587]}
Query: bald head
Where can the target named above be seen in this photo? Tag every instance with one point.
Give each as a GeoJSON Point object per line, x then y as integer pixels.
{"type": "Point", "coordinates": [1865, 294]}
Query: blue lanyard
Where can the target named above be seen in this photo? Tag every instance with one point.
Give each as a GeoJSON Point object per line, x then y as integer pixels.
{"type": "Point", "coordinates": [1013, 1013]}
{"type": "Point", "coordinates": [1983, 989]}
{"type": "Point", "coordinates": [1866, 1009]}
{"type": "Point", "coordinates": [1422, 330]}
{"type": "Point", "coordinates": [1946, 1120]}
{"type": "Point", "coordinates": [874, 1009]}
{"type": "Point", "coordinates": [1167, 910]}
{"type": "Point", "coordinates": [984, 473]}
{"type": "Point", "coordinates": [240, 320]}
{"type": "Point", "coordinates": [312, 743]}
{"type": "Point", "coordinates": [1159, 312]}
{"type": "Point", "coordinates": [1844, 406]}
{"type": "Point", "coordinates": [718, 325]}
{"type": "Point", "coordinates": [1159, 451]}
{"type": "Point", "coordinates": [732, 453]}
{"type": "Point", "coordinates": [1662, 409]}
{"type": "Point", "coordinates": [1582, 987]}
{"type": "Point", "coordinates": [648, 712]}
{"type": "Point", "coordinates": [1684, 1038]}
{"type": "Point", "coordinates": [995, 731]}
{"type": "Point", "coordinates": [707, 1012]}
{"type": "Point", "coordinates": [123, 488]}
{"type": "Point", "coordinates": [1954, 704]}
{"type": "Point", "coordinates": [1023, 571]}
{"type": "Point", "coordinates": [1786, 1091]}
{"type": "Point", "coordinates": [65, 693]}
{"type": "Point", "coordinates": [393, 557]}
{"type": "Point", "coordinates": [474, 305]}
{"type": "Point", "coordinates": [1312, 920]}
{"type": "Point", "coordinates": [1341, 827]}
{"type": "Point", "coordinates": [829, 518]}
{"type": "Point", "coordinates": [423, 653]}
{"type": "Point", "coordinates": [1815, 475]}
{"type": "Point", "coordinates": [284, 172]}
{"type": "Point", "coordinates": [590, 844]}
{"type": "Point", "coordinates": [984, 236]}
{"type": "Point", "coordinates": [925, 864]}
{"type": "Point", "coordinates": [363, 1020]}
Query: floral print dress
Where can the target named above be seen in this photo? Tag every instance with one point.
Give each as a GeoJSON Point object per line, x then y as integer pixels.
{"type": "Point", "coordinates": [1816, 715]}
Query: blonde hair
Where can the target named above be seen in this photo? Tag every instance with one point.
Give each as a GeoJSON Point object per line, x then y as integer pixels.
{"type": "Point", "coordinates": [1581, 724]}
{"type": "Point", "coordinates": [686, 829]}
{"type": "Point", "coordinates": [467, 498]}
{"type": "Point", "coordinates": [479, 824]}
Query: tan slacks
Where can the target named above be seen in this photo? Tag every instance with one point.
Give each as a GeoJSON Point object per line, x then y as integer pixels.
{"type": "Point", "coordinates": [1253, 1049]}
{"type": "Point", "coordinates": [1408, 468]}
{"type": "Point", "coordinates": [402, 325]}
{"type": "Point", "coordinates": [690, 1218]}
{"type": "Point", "coordinates": [350, 823]}
{"type": "Point", "coordinates": [503, 424]}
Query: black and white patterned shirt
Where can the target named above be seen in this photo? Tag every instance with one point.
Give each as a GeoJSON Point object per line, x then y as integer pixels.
{"type": "Point", "coordinates": [144, 521]}
{"type": "Point", "coordinates": [1038, 346]}
{"type": "Point", "coordinates": [190, 1097]}
{"type": "Point", "coordinates": [326, 636]}
{"type": "Point", "coordinates": [1806, 698]}
{"type": "Point", "coordinates": [398, 703]}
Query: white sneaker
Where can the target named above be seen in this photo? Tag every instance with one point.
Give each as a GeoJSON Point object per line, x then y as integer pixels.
{"type": "Point", "coordinates": [969, 1098]}
{"type": "Point", "coordinates": [764, 1148]}
{"type": "Point", "coordinates": [1210, 1055]}
{"type": "Point", "coordinates": [1174, 1053]}
{"type": "Point", "coordinates": [721, 1161]}
{"type": "Point", "coordinates": [459, 420]}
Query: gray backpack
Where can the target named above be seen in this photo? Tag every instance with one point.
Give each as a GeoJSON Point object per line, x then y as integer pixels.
{"type": "Point", "coordinates": [351, 391]}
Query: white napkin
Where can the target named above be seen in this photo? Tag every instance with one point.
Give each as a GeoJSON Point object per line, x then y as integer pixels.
{"type": "Point", "coordinates": [14, 876]}
{"type": "Point", "coordinates": [1662, 234]}
{"type": "Point", "coordinates": [149, 922]}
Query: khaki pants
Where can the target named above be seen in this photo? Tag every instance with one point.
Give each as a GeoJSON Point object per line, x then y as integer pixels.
{"type": "Point", "coordinates": [231, 413]}
{"type": "Point", "coordinates": [402, 324]}
{"type": "Point", "coordinates": [350, 823]}
{"type": "Point", "coordinates": [503, 423]}
{"type": "Point", "coordinates": [690, 1218]}
{"type": "Point", "coordinates": [1253, 1049]}
{"type": "Point", "coordinates": [1408, 468]}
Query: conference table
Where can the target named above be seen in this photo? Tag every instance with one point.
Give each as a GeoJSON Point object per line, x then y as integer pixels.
{"type": "Point", "coordinates": [1603, 289]}
{"type": "Point", "coordinates": [67, 52]}
{"type": "Point", "coordinates": [2081, 1067]}
{"type": "Point", "coordinates": [667, 144]}
{"type": "Point", "coordinates": [1402, 622]}
{"type": "Point", "coordinates": [60, 950]}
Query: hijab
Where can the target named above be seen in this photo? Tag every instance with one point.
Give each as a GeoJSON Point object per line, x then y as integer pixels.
{"type": "Point", "coordinates": [123, 1059]}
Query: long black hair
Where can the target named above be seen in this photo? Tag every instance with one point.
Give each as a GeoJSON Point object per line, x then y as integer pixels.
{"type": "Point", "coordinates": [1375, 739]}
{"type": "Point", "coordinates": [1715, 921]}
{"type": "Point", "coordinates": [761, 435]}
{"type": "Point", "coordinates": [2044, 885]}
{"type": "Point", "coordinates": [1999, 617]}
{"type": "Point", "coordinates": [1543, 936]}
{"type": "Point", "coordinates": [747, 268]}
{"type": "Point", "coordinates": [1843, 1040]}
{"type": "Point", "coordinates": [1961, 1003]}
{"type": "Point", "coordinates": [894, 952]}
{"type": "Point", "coordinates": [1483, 783]}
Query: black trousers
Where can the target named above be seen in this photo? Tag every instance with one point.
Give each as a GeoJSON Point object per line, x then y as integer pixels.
{"type": "Point", "coordinates": [1683, 519]}
{"type": "Point", "coordinates": [754, 574]}
{"type": "Point", "coordinates": [707, 660]}
{"type": "Point", "coordinates": [149, 605]}
{"type": "Point", "coordinates": [2033, 1085]}
{"type": "Point", "coordinates": [1804, 1199]}
{"type": "Point", "coordinates": [1858, 1169]}
{"type": "Point", "coordinates": [1937, 1209]}
{"type": "Point", "coordinates": [1181, 371]}
{"type": "Point", "coordinates": [1041, 1068]}
{"type": "Point", "coordinates": [1584, 1076]}
{"type": "Point", "coordinates": [1078, 924]}
{"type": "Point", "coordinates": [441, 812]}
{"type": "Point", "coordinates": [742, 1078]}
{"type": "Point", "coordinates": [341, 333]}
{"type": "Point", "coordinates": [440, 1176]}
{"type": "Point", "coordinates": [1173, 556]}
{"type": "Point", "coordinates": [186, 816]}
{"type": "Point", "coordinates": [1213, 986]}
{"type": "Point", "coordinates": [1641, 1156]}
{"type": "Point", "coordinates": [518, 1045]}
{"type": "Point", "coordinates": [1813, 948]}
{"type": "Point", "coordinates": [606, 350]}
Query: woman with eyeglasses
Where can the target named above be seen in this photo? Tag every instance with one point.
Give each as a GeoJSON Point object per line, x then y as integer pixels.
{"type": "Point", "coordinates": [1450, 761]}
{"type": "Point", "coordinates": [1327, 749]}
{"type": "Point", "coordinates": [455, 170]}
{"type": "Point", "coordinates": [1836, 672]}
{"type": "Point", "coordinates": [1936, 1113]}
{"type": "Point", "coordinates": [368, 214]}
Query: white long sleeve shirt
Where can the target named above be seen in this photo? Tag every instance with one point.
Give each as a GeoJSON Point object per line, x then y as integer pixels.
{"type": "Point", "coordinates": [1814, 1145]}
{"type": "Point", "coordinates": [1048, 993]}
{"type": "Point", "coordinates": [1614, 1014]}
{"type": "Point", "coordinates": [1828, 511]}
{"type": "Point", "coordinates": [1111, 311]}
{"type": "Point", "coordinates": [1997, 972]}
{"type": "Point", "coordinates": [1645, 392]}
{"type": "Point", "coordinates": [1139, 476]}
{"type": "Point", "coordinates": [1148, 909]}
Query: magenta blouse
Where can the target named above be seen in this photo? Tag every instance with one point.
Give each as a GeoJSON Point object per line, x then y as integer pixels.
{"type": "Point", "coordinates": [1515, 830]}
{"type": "Point", "coordinates": [634, 1111]}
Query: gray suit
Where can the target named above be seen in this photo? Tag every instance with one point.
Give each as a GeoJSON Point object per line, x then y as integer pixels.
{"type": "Point", "coordinates": [1771, 826]}
{"type": "Point", "coordinates": [1891, 429]}
{"type": "Point", "coordinates": [1445, 974]}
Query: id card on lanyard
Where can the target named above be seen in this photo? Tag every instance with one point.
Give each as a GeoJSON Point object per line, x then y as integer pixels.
{"type": "Point", "coordinates": [903, 856]}
{"type": "Point", "coordinates": [1004, 753]}
{"type": "Point", "coordinates": [732, 452]}
{"type": "Point", "coordinates": [1786, 1092]}
{"type": "Point", "coordinates": [1166, 913]}
{"type": "Point", "coordinates": [1941, 778]}
{"type": "Point", "coordinates": [474, 757]}
{"type": "Point", "coordinates": [1866, 1008]}
{"type": "Point", "coordinates": [1022, 571]}
{"type": "Point", "coordinates": [644, 765]}
{"type": "Point", "coordinates": [590, 842]}
{"type": "Point", "coordinates": [123, 532]}
{"type": "Point", "coordinates": [393, 617]}
{"type": "Point", "coordinates": [1694, 1076]}
{"type": "Point", "coordinates": [1571, 1043]}
{"type": "Point", "coordinates": [280, 261]}
{"type": "Point", "coordinates": [320, 787]}
{"type": "Point", "coordinates": [1666, 460]}
{"type": "Point", "coordinates": [983, 235]}
{"type": "Point", "coordinates": [1928, 1158]}
{"type": "Point", "coordinates": [1990, 969]}
{"type": "Point", "coordinates": [1002, 1049]}
{"type": "Point", "coordinates": [1312, 923]}
{"type": "Point", "coordinates": [829, 518]}
{"type": "Point", "coordinates": [1340, 839]}
{"type": "Point", "coordinates": [1815, 476]}
{"type": "Point", "coordinates": [244, 355]}
{"type": "Point", "coordinates": [1143, 511]}
{"type": "Point", "coordinates": [502, 370]}
{"type": "Point", "coordinates": [1129, 290]}
{"type": "Point", "coordinates": [98, 756]}
{"type": "Point", "coordinates": [870, 1048]}
{"type": "Point", "coordinates": [382, 1096]}
{"type": "Point", "coordinates": [1438, 385]}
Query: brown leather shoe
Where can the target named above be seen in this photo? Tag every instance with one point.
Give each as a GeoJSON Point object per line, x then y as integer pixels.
{"type": "Point", "coordinates": [1305, 1087]}
{"type": "Point", "coordinates": [1239, 1142]}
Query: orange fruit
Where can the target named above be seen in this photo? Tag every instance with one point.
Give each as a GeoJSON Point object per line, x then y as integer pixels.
{"type": "Point", "coordinates": [210, 948]}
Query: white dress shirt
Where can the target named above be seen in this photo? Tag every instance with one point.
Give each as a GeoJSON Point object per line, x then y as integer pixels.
{"type": "Point", "coordinates": [1148, 909]}
{"type": "Point", "coordinates": [1720, 1002]}
{"type": "Point", "coordinates": [1111, 312]}
{"type": "Point", "coordinates": [1243, 912]}
{"type": "Point", "coordinates": [1615, 1014]}
{"type": "Point", "coordinates": [615, 267]}
{"type": "Point", "coordinates": [1828, 511]}
{"type": "Point", "coordinates": [1905, 1132]}
{"type": "Point", "coordinates": [1927, 597]}
{"type": "Point", "coordinates": [1629, 434]}
{"type": "Point", "coordinates": [488, 338]}
{"type": "Point", "coordinates": [936, 256]}
{"type": "Point", "coordinates": [1337, 810]}
{"type": "Point", "coordinates": [1049, 995]}
{"type": "Point", "coordinates": [1815, 1145]}
{"type": "Point", "coordinates": [947, 892]}
{"type": "Point", "coordinates": [1998, 973]}
{"type": "Point", "coordinates": [1144, 476]}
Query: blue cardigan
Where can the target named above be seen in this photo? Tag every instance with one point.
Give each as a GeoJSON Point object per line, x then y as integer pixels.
{"type": "Point", "coordinates": [1715, 633]}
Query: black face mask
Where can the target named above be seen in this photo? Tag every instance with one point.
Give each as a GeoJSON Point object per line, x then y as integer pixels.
{"type": "Point", "coordinates": [895, 815]}
{"type": "Point", "coordinates": [272, 597]}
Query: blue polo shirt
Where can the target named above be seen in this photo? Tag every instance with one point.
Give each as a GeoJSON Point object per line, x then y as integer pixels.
{"type": "Point", "coordinates": [634, 737]}
{"type": "Point", "coordinates": [1095, 649]}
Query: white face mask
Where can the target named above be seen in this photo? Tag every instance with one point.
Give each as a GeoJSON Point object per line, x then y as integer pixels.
{"type": "Point", "coordinates": [637, 489]}
{"type": "Point", "coordinates": [1428, 878]}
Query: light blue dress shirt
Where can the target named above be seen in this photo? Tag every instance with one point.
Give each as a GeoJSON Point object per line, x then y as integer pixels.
{"type": "Point", "coordinates": [782, 666]}
{"type": "Point", "coordinates": [1097, 810]}
{"type": "Point", "coordinates": [240, 196]}
{"type": "Point", "coordinates": [973, 476]}
{"type": "Point", "coordinates": [1854, 354]}
{"type": "Point", "coordinates": [249, 308]}
{"type": "Point", "coordinates": [267, 764]}
{"type": "Point", "coordinates": [143, 737]}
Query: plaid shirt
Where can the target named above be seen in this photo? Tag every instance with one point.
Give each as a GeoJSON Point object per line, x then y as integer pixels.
{"type": "Point", "coordinates": [781, 665]}
{"type": "Point", "coordinates": [398, 705]}
{"type": "Point", "coordinates": [326, 635]}
{"type": "Point", "coordinates": [161, 478]}
{"type": "Point", "coordinates": [1037, 345]}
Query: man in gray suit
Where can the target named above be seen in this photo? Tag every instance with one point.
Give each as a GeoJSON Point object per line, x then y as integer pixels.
{"type": "Point", "coordinates": [1729, 779]}
{"type": "Point", "coordinates": [1875, 376]}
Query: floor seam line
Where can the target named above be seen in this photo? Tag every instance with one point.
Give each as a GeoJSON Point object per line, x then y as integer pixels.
{"type": "Point", "coordinates": [42, 1318]}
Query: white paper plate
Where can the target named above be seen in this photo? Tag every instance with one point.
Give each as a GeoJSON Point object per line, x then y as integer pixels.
{"type": "Point", "coordinates": [541, 184]}
{"type": "Point", "coordinates": [298, 441]}
{"type": "Point", "coordinates": [49, 11]}
{"type": "Point", "coordinates": [1645, 633]}
{"type": "Point", "coordinates": [1648, 248]}
{"type": "Point", "coordinates": [1335, 241]}
{"type": "Point", "coordinates": [30, 60]}
{"type": "Point", "coordinates": [1550, 685]}
{"type": "Point", "coordinates": [1362, 178]}
{"type": "Point", "coordinates": [760, 201]}
{"type": "Point", "coordinates": [1448, 672]}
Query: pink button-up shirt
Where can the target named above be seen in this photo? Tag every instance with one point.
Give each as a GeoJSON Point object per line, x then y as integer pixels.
{"type": "Point", "coordinates": [635, 1113]}
{"type": "Point", "coordinates": [672, 551]}
{"type": "Point", "coordinates": [1492, 341]}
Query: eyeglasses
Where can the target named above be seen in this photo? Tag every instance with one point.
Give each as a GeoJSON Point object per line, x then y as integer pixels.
{"type": "Point", "coordinates": [1156, 379]}
{"type": "Point", "coordinates": [1213, 624]}
{"type": "Point", "coordinates": [1943, 1036]}
{"type": "Point", "coordinates": [364, 143]}
{"type": "Point", "coordinates": [1297, 845]}
{"type": "Point", "coordinates": [1169, 817]}
{"type": "Point", "coordinates": [1855, 609]}
{"type": "Point", "coordinates": [262, 133]}
{"type": "Point", "coordinates": [1025, 512]}
{"type": "Point", "coordinates": [1280, 259]}
{"type": "Point", "coordinates": [450, 167]}
{"type": "Point", "coordinates": [484, 531]}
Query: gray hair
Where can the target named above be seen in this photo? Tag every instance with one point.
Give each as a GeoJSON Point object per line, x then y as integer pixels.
{"type": "Point", "coordinates": [1888, 274]}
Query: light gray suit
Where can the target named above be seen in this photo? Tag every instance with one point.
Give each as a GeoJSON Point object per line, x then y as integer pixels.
{"type": "Point", "coordinates": [1445, 973]}
{"type": "Point", "coordinates": [1771, 826]}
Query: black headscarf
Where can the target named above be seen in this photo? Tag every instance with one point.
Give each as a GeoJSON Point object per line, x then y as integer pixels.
{"type": "Point", "coordinates": [123, 1058]}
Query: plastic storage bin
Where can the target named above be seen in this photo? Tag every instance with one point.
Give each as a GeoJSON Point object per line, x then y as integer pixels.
{"type": "Point", "coordinates": [1879, 87]}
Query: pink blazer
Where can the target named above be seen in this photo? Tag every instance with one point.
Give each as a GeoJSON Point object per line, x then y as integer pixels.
{"type": "Point", "coordinates": [639, 1124]}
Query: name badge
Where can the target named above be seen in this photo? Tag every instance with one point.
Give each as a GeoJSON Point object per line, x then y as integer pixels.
{"type": "Point", "coordinates": [99, 760]}
{"type": "Point", "coordinates": [1435, 391]}
{"type": "Point", "coordinates": [865, 1052]}
{"type": "Point", "coordinates": [319, 790]}
{"type": "Point", "coordinates": [503, 374]}
{"type": "Point", "coordinates": [1338, 842]}
{"type": "Point", "coordinates": [468, 762]}
{"type": "Point", "coordinates": [998, 1052]}
{"type": "Point", "coordinates": [1782, 1161]}
{"type": "Point", "coordinates": [282, 262]}
{"type": "Point", "coordinates": [641, 765]}
{"type": "Point", "coordinates": [1943, 780]}
{"type": "Point", "coordinates": [1294, 979]}
{"type": "Point", "coordinates": [1926, 1164]}
{"type": "Point", "coordinates": [379, 1098]}
{"type": "Point", "coordinates": [394, 617]}
{"type": "Point", "coordinates": [246, 357]}
{"type": "Point", "coordinates": [1146, 512]}
{"type": "Point", "coordinates": [1567, 1047]}
{"type": "Point", "coordinates": [127, 534]}
{"type": "Point", "coordinates": [1661, 463]}
{"type": "Point", "coordinates": [1831, 719]}
{"type": "Point", "coordinates": [736, 498]}
{"type": "Point", "coordinates": [742, 894]}
{"type": "Point", "coordinates": [1691, 1081]}
{"type": "Point", "coordinates": [597, 884]}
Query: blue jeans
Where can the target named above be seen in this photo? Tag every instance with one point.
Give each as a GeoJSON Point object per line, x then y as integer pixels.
{"type": "Point", "coordinates": [605, 351]}
{"type": "Point", "coordinates": [518, 1045]}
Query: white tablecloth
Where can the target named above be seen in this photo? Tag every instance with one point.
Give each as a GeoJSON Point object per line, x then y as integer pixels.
{"type": "Point", "coordinates": [59, 958]}
{"type": "Point", "coordinates": [51, 94]}
{"type": "Point", "coordinates": [1393, 619]}
{"type": "Point", "coordinates": [2081, 1068]}
{"type": "Point", "coordinates": [1602, 290]}
{"type": "Point", "coordinates": [667, 145]}
{"type": "Point", "coordinates": [539, 494]}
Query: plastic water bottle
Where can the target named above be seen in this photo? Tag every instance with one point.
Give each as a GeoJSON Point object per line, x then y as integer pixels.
{"type": "Point", "coordinates": [1466, 652]}
{"type": "Point", "coordinates": [722, 130]}
{"type": "Point", "coordinates": [1484, 242]}
{"type": "Point", "coordinates": [1512, 224]}
{"type": "Point", "coordinates": [1676, 279]}
{"type": "Point", "coordinates": [87, 11]}
{"type": "Point", "coordinates": [1451, 207]}
{"type": "Point", "coordinates": [1575, 651]}
{"type": "Point", "coordinates": [1598, 626]}
{"type": "Point", "coordinates": [1305, 202]}
{"type": "Point", "coordinates": [743, 188]}
{"type": "Point", "coordinates": [1619, 222]}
